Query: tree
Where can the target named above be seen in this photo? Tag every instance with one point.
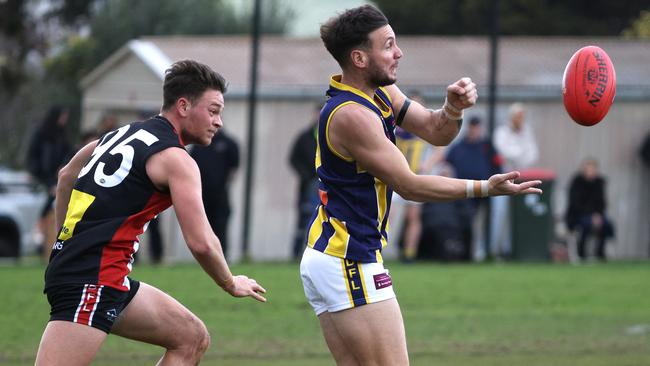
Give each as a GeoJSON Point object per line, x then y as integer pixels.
{"type": "Point", "coordinates": [518, 17]}
{"type": "Point", "coordinates": [640, 28]}
{"type": "Point", "coordinates": [119, 21]}
{"type": "Point", "coordinates": [109, 24]}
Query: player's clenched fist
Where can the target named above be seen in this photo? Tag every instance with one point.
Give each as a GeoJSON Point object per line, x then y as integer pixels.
{"type": "Point", "coordinates": [462, 94]}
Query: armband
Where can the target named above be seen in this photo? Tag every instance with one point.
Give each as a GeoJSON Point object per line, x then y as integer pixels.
{"type": "Point", "coordinates": [402, 112]}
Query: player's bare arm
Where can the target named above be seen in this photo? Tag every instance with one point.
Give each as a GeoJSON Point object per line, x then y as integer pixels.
{"type": "Point", "coordinates": [67, 178]}
{"type": "Point", "coordinates": [438, 127]}
{"type": "Point", "coordinates": [356, 133]}
{"type": "Point", "coordinates": [175, 171]}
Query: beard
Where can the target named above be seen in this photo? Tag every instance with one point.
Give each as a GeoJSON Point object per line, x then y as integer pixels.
{"type": "Point", "coordinates": [377, 77]}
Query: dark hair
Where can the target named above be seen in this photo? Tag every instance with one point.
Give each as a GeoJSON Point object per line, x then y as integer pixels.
{"type": "Point", "coordinates": [350, 29]}
{"type": "Point", "coordinates": [189, 79]}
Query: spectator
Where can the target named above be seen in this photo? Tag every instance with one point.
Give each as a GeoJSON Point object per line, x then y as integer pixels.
{"type": "Point", "coordinates": [474, 157]}
{"type": "Point", "coordinates": [446, 226]}
{"type": "Point", "coordinates": [586, 212]}
{"type": "Point", "coordinates": [48, 151]}
{"type": "Point", "coordinates": [302, 156]}
{"type": "Point", "coordinates": [645, 150]}
{"type": "Point", "coordinates": [218, 163]}
{"type": "Point", "coordinates": [108, 123]}
{"type": "Point", "coordinates": [645, 157]}
{"type": "Point", "coordinates": [515, 142]}
{"type": "Point", "coordinates": [417, 152]}
{"type": "Point", "coordinates": [156, 245]}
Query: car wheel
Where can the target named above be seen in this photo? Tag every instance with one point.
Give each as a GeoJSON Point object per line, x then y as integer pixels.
{"type": "Point", "coordinates": [8, 247]}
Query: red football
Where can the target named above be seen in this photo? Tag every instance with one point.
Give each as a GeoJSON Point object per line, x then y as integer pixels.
{"type": "Point", "coordinates": [589, 85]}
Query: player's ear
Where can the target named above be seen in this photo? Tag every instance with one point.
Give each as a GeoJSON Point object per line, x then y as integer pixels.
{"type": "Point", "coordinates": [182, 106]}
{"type": "Point", "coordinates": [359, 58]}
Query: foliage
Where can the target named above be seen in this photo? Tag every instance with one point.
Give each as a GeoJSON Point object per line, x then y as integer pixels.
{"type": "Point", "coordinates": [71, 12]}
{"type": "Point", "coordinates": [640, 28]}
{"type": "Point", "coordinates": [16, 39]}
{"type": "Point", "coordinates": [502, 314]}
{"type": "Point", "coordinates": [119, 21]}
{"type": "Point", "coordinates": [109, 24]}
{"type": "Point", "coordinates": [517, 17]}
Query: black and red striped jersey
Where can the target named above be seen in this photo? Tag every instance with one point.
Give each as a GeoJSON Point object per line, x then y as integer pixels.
{"type": "Point", "coordinates": [112, 202]}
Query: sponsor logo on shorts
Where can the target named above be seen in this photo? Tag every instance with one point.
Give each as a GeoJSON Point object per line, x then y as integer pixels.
{"type": "Point", "coordinates": [382, 280]}
{"type": "Point", "coordinates": [111, 315]}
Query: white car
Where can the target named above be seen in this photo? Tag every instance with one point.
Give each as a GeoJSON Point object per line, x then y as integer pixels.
{"type": "Point", "coordinates": [20, 207]}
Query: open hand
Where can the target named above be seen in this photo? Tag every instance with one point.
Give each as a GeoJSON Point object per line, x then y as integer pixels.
{"type": "Point", "coordinates": [503, 184]}
{"type": "Point", "coordinates": [243, 286]}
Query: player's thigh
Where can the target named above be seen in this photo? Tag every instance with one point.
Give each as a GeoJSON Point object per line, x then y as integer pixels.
{"type": "Point", "coordinates": [154, 317]}
{"type": "Point", "coordinates": [343, 355]}
{"type": "Point", "coordinates": [68, 343]}
{"type": "Point", "coordinates": [375, 332]}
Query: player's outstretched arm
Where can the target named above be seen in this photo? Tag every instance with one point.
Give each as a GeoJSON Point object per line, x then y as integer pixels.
{"type": "Point", "coordinates": [175, 171]}
{"type": "Point", "coordinates": [356, 133]}
{"type": "Point", "coordinates": [438, 127]}
{"type": "Point", "coordinates": [66, 179]}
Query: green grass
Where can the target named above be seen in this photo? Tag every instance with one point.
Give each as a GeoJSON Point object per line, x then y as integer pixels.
{"type": "Point", "coordinates": [490, 314]}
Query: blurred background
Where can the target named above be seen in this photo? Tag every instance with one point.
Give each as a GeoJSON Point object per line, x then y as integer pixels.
{"type": "Point", "coordinates": [70, 70]}
{"type": "Point", "coordinates": [103, 63]}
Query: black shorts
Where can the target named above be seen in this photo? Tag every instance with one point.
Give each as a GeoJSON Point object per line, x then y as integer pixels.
{"type": "Point", "coordinates": [89, 304]}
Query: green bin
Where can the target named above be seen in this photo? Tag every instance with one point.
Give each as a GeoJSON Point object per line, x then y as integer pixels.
{"type": "Point", "coordinates": [531, 219]}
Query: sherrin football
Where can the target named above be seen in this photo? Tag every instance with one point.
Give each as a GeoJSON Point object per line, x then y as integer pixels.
{"type": "Point", "coordinates": [589, 85]}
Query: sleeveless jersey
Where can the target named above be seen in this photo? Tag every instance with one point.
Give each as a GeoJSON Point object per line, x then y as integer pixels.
{"type": "Point", "coordinates": [413, 148]}
{"type": "Point", "coordinates": [112, 202]}
{"type": "Point", "coordinates": [352, 218]}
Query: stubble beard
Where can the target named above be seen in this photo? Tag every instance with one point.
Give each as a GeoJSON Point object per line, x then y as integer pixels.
{"type": "Point", "coordinates": [379, 78]}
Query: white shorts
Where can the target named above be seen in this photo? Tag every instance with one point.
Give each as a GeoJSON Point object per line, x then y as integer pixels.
{"type": "Point", "coordinates": [333, 284]}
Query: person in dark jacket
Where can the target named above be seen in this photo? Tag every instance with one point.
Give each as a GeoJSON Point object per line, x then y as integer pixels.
{"type": "Point", "coordinates": [218, 163]}
{"type": "Point", "coordinates": [644, 152]}
{"type": "Point", "coordinates": [587, 204]}
{"type": "Point", "coordinates": [474, 157]}
{"type": "Point", "coordinates": [49, 149]}
{"type": "Point", "coordinates": [301, 158]}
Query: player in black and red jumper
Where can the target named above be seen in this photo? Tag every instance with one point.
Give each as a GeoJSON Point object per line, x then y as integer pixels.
{"type": "Point", "coordinates": [106, 196]}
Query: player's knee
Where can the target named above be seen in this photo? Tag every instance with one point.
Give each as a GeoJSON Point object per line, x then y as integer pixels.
{"type": "Point", "coordinates": [201, 338]}
{"type": "Point", "coordinates": [194, 342]}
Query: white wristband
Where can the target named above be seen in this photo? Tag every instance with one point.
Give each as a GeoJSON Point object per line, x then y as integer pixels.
{"type": "Point", "coordinates": [469, 189]}
{"type": "Point", "coordinates": [451, 112]}
{"type": "Point", "coordinates": [474, 188]}
{"type": "Point", "coordinates": [485, 188]}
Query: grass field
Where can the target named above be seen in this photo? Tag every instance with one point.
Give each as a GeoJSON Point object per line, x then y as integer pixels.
{"type": "Point", "coordinates": [488, 314]}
